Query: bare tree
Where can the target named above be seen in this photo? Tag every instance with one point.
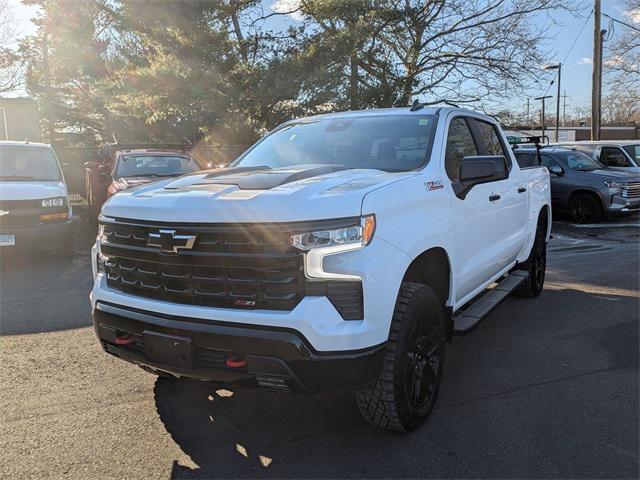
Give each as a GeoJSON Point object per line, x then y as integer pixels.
{"type": "Point", "coordinates": [622, 105]}
{"type": "Point", "coordinates": [623, 62]}
{"type": "Point", "coordinates": [10, 73]}
{"type": "Point", "coordinates": [460, 51]}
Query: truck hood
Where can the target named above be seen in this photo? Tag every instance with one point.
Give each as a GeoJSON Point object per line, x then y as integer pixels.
{"type": "Point", "coordinates": [618, 175]}
{"type": "Point", "coordinates": [33, 190]}
{"type": "Point", "coordinates": [253, 194]}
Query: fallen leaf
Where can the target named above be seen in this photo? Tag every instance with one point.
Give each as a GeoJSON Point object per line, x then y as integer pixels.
{"type": "Point", "coordinates": [241, 450]}
{"type": "Point", "coordinates": [265, 461]}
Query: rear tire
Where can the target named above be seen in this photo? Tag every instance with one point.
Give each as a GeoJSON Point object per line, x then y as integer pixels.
{"type": "Point", "coordinates": [585, 208]}
{"type": "Point", "coordinates": [536, 266]}
{"type": "Point", "coordinates": [402, 397]}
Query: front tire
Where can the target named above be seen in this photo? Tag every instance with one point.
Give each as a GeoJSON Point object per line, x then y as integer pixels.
{"type": "Point", "coordinates": [585, 208]}
{"type": "Point", "coordinates": [404, 394]}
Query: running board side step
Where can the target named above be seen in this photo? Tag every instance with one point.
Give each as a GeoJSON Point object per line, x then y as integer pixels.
{"type": "Point", "coordinates": [467, 319]}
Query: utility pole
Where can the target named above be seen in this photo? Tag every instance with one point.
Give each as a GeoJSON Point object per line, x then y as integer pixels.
{"type": "Point", "coordinates": [564, 108]}
{"type": "Point", "coordinates": [596, 78]}
{"type": "Point", "coordinates": [559, 68]}
{"type": "Point", "coordinates": [542, 122]}
{"type": "Point", "coordinates": [528, 118]}
{"type": "Point", "coordinates": [558, 104]}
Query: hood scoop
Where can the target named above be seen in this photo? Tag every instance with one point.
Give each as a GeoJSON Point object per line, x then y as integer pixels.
{"type": "Point", "coordinates": [265, 178]}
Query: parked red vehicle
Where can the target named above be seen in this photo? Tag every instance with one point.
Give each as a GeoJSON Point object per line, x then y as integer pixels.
{"type": "Point", "coordinates": [130, 168]}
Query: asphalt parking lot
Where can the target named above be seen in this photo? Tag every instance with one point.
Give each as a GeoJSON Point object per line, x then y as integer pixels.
{"type": "Point", "coordinates": [543, 388]}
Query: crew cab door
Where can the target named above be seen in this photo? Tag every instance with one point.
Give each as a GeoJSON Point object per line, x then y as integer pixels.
{"type": "Point", "coordinates": [490, 218]}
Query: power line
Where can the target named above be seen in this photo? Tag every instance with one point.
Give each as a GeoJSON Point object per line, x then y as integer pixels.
{"type": "Point", "coordinates": [621, 22]}
{"type": "Point", "coordinates": [575, 40]}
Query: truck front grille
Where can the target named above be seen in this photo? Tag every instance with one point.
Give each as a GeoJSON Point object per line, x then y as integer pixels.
{"type": "Point", "coordinates": [23, 213]}
{"type": "Point", "coordinates": [227, 266]}
{"type": "Point", "coordinates": [631, 190]}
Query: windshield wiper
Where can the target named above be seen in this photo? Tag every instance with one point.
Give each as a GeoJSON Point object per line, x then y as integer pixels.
{"type": "Point", "coordinates": [16, 177]}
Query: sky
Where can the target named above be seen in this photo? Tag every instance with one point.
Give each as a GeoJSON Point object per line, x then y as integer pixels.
{"type": "Point", "coordinates": [576, 70]}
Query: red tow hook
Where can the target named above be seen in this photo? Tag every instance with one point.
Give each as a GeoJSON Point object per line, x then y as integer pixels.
{"type": "Point", "coordinates": [236, 361]}
{"type": "Point", "coordinates": [125, 340]}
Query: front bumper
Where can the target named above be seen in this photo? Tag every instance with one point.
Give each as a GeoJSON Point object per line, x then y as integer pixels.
{"type": "Point", "coordinates": [43, 236]}
{"type": "Point", "coordinates": [620, 204]}
{"type": "Point", "coordinates": [273, 358]}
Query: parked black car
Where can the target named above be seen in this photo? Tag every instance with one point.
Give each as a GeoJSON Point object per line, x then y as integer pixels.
{"type": "Point", "coordinates": [583, 187]}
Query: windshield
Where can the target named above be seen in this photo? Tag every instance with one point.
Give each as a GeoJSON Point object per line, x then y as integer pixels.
{"type": "Point", "coordinates": [634, 152]}
{"type": "Point", "coordinates": [24, 162]}
{"type": "Point", "coordinates": [391, 143]}
{"type": "Point", "coordinates": [581, 162]}
{"type": "Point", "coordinates": [154, 166]}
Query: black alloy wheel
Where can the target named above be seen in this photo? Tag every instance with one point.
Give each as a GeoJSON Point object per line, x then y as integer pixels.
{"type": "Point", "coordinates": [585, 208]}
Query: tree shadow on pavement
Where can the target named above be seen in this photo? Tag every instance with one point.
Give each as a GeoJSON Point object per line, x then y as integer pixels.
{"type": "Point", "coordinates": [44, 293]}
{"type": "Point", "coordinates": [533, 371]}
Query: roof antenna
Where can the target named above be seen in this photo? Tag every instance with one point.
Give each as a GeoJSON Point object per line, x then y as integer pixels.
{"type": "Point", "coordinates": [416, 105]}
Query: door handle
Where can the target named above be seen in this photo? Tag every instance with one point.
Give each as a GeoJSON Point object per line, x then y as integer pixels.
{"type": "Point", "coordinates": [493, 198]}
{"type": "Point", "coordinates": [522, 189]}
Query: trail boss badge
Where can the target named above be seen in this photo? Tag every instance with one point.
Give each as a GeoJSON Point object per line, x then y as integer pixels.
{"type": "Point", "coordinates": [435, 185]}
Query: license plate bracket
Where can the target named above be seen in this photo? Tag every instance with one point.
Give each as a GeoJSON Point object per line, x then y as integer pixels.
{"type": "Point", "coordinates": [168, 350]}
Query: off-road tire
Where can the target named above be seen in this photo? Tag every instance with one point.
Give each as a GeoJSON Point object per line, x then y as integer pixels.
{"type": "Point", "coordinates": [536, 266]}
{"type": "Point", "coordinates": [385, 401]}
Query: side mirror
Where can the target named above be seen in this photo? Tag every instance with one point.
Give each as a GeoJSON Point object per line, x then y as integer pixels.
{"type": "Point", "coordinates": [556, 170]}
{"type": "Point", "coordinates": [475, 170]}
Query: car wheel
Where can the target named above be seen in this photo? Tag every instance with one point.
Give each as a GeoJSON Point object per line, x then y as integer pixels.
{"type": "Point", "coordinates": [585, 208]}
{"type": "Point", "coordinates": [402, 397]}
{"type": "Point", "coordinates": [536, 266]}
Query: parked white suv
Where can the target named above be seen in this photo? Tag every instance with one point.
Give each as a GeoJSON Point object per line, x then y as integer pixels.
{"type": "Point", "coordinates": [340, 250]}
{"type": "Point", "coordinates": [34, 205]}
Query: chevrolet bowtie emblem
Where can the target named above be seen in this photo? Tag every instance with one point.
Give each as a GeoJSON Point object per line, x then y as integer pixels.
{"type": "Point", "coordinates": [169, 242]}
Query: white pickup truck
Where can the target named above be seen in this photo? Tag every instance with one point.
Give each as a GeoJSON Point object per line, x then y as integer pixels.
{"type": "Point", "coordinates": [341, 250]}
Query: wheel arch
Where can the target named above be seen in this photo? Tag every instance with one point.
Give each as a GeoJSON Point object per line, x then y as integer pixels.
{"type": "Point", "coordinates": [432, 267]}
{"type": "Point", "coordinates": [544, 220]}
{"type": "Point", "coordinates": [585, 191]}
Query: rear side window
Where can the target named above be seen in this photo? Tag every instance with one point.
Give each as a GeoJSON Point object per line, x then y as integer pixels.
{"type": "Point", "coordinates": [614, 157]}
{"type": "Point", "coordinates": [460, 144]}
{"type": "Point", "coordinates": [488, 139]}
{"type": "Point", "coordinates": [526, 159]}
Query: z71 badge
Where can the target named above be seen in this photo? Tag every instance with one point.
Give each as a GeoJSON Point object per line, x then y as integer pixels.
{"type": "Point", "coordinates": [435, 185]}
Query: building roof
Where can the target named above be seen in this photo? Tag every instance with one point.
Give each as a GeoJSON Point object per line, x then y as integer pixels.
{"type": "Point", "coordinates": [23, 143]}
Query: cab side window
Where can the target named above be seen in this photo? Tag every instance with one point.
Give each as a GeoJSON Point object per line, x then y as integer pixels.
{"type": "Point", "coordinates": [526, 160]}
{"type": "Point", "coordinates": [489, 141]}
{"type": "Point", "coordinates": [460, 144]}
{"type": "Point", "coordinates": [613, 157]}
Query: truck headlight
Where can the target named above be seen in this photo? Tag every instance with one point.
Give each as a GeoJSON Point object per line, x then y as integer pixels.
{"type": "Point", "coordinates": [53, 202]}
{"type": "Point", "coordinates": [321, 243]}
{"type": "Point", "coordinates": [613, 185]}
{"type": "Point", "coordinates": [359, 235]}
